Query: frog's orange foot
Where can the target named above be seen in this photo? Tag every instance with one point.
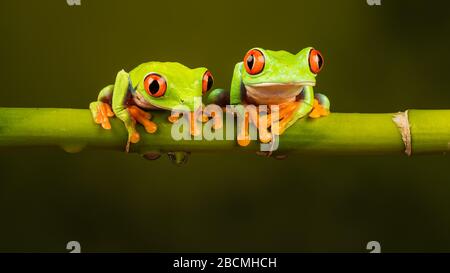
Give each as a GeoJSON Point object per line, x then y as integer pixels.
{"type": "Point", "coordinates": [174, 117]}
{"type": "Point", "coordinates": [194, 120]}
{"type": "Point", "coordinates": [318, 110]}
{"type": "Point", "coordinates": [243, 137]}
{"type": "Point", "coordinates": [196, 127]}
{"type": "Point", "coordinates": [101, 112]}
{"type": "Point", "coordinates": [203, 118]}
{"type": "Point", "coordinates": [243, 140]}
{"type": "Point", "coordinates": [143, 118]}
{"type": "Point", "coordinates": [285, 114]}
{"type": "Point", "coordinates": [217, 120]}
{"type": "Point", "coordinates": [216, 115]}
{"type": "Point", "coordinates": [262, 123]}
{"type": "Point", "coordinates": [133, 137]}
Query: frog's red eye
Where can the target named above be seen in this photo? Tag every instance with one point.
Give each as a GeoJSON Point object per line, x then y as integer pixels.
{"type": "Point", "coordinates": [315, 61]}
{"type": "Point", "coordinates": [207, 82]}
{"type": "Point", "coordinates": [155, 85]}
{"type": "Point", "coordinates": [254, 61]}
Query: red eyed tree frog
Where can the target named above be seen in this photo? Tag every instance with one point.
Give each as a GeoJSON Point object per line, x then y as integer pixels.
{"type": "Point", "coordinates": [150, 86]}
{"type": "Point", "coordinates": [280, 78]}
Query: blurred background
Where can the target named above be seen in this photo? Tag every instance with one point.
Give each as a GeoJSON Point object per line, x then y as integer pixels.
{"type": "Point", "coordinates": [378, 59]}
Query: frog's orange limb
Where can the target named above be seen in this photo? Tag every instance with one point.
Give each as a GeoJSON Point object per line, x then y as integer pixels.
{"type": "Point", "coordinates": [318, 110]}
{"type": "Point", "coordinates": [254, 117]}
{"type": "Point", "coordinates": [285, 116]}
{"type": "Point", "coordinates": [288, 110]}
{"type": "Point", "coordinates": [133, 136]}
{"type": "Point", "coordinates": [109, 111]}
{"type": "Point", "coordinates": [104, 111]}
{"type": "Point", "coordinates": [215, 116]}
{"type": "Point", "coordinates": [285, 105]}
{"type": "Point", "coordinates": [284, 110]}
{"type": "Point", "coordinates": [195, 128]}
{"type": "Point", "coordinates": [264, 135]}
{"type": "Point", "coordinates": [143, 118]}
{"type": "Point", "coordinates": [202, 117]}
{"type": "Point", "coordinates": [174, 117]}
{"type": "Point", "coordinates": [243, 137]}
{"type": "Point", "coordinates": [218, 122]}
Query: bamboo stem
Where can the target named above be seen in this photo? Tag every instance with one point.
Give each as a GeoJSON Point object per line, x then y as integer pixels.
{"type": "Point", "coordinates": [339, 133]}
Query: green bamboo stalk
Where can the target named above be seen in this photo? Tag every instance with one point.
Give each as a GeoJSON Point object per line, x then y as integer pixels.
{"type": "Point", "coordinates": [339, 133]}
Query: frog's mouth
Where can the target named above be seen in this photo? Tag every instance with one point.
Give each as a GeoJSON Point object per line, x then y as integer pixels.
{"type": "Point", "coordinates": [142, 103]}
{"type": "Point", "coordinates": [274, 93]}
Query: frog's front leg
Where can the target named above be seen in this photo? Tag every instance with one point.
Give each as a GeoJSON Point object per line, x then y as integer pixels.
{"type": "Point", "coordinates": [321, 106]}
{"type": "Point", "coordinates": [101, 109]}
{"type": "Point", "coordinates": [119, 97]}
{"type": "Point", "coordinates": [296, 110]}
{"type": "Point", "coordinates": [143, 118]}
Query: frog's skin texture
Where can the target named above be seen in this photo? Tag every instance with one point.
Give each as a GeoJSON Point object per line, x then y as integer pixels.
{"type": "Point", "coordinates": [267, 77]}
{"type": "Point", "coordinates": [150, 86]}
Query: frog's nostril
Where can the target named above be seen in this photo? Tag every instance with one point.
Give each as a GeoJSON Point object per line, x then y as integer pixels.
{"type": "Point", "coordinates": [182, 100]}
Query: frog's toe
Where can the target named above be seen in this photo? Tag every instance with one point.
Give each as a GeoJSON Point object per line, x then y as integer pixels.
{"type": "Point", "coordinates": [135, 137]}
{"type": "Point", "coordinates": [243, 141]}
{"type": "Point", "coordinates": [101, 113]}
{"type": "Point", "coordinates": [195, 127]}
{"type": "Point", "coordinates": [218, 123]}
{"type": "Point", "coordinates": [203, 118]}
{"type": "Point", "coordinates": [143, 118]}
{"type": "Point", "coordinates": [319, 110]}
{"type": "Point", "coordinates": [265, 137]}
{"type": "Point", "coordinates": [243, 137]}
{"type": "Point", "coordinates": [279, 127]}
{"type": "Point", "coordinates": [174, 117]}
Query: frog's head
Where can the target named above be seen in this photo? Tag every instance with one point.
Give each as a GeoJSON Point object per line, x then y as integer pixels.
{"type": "Point", "coordinates": [280, 74]}
{"type": "Point", "coordinates": [169, 85]}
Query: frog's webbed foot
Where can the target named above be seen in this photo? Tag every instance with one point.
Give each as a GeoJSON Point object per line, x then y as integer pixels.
{"type": "Point", "coordinates": [143, 118]}
{"type": "Point", "coordinates": [285, 113]}
{"type": "Point", "coordinates": [243, 135]}
{"type": "Point", "coordinates": [101, 112]}
{"type": "Point", "coordinates": [174, 117]}
{"type": "Point", "coordinates": [212, 114]}
{"type": "Point", "coordinates": [262, 122]}
{"type": "Point", "coordinates": [133, 135]}
{"type": "Point", "coordinates": [321, 106]}
{"type": "Point", "coordinates": [260, 119]}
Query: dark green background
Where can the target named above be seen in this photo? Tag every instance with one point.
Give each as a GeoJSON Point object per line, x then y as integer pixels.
{"type": "Point", "coordinates": [378, 59]}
